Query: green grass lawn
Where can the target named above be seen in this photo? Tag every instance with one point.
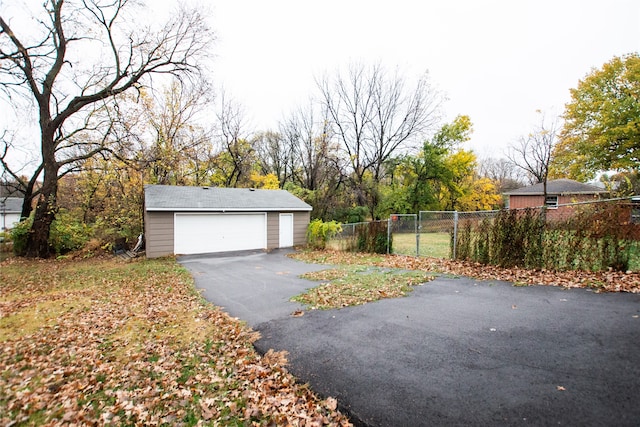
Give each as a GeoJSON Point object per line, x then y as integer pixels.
{"type": "Point", "coordinates": [435, 245]}
{"type": "Point", "coordinates": [355, 285]}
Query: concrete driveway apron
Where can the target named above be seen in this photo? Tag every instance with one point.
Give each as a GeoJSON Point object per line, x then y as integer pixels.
{"type": "Point", "coordinates": [454, 352]}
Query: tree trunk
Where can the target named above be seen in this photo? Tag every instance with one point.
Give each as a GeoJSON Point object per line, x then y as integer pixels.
{"type": "Point", "coordinates": [38, 239]}
{"type": "Point", "coordinates": [27, 205]}
{"type": "Point", "coordinates": [46, 209]}
{"type": "Point", "coordinates": [29, 195]}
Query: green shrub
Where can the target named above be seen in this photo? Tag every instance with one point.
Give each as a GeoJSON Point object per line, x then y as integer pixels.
{"type": "Point", "coordinates": [464, 244]}
{"type": "Point", "coordinates": [19, 236]}
{"type": "Point", "coordinates": [351, 215]}
{"type": "Point", "coordinates": [108, 230]}
{"type": "Point", "coordinates": [319, 232]}
{"type": "Point", "coordinates": [68, 233]}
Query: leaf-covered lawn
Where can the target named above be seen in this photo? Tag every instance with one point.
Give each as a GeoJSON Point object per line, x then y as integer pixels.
{"type": "Point", "coordinates": [608, 281]}
{"type": "Point", "coordinates": [109, 342]}
{"type": "Point", "coordinates": [355, 286]}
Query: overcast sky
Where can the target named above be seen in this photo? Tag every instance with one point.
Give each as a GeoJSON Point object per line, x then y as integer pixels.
{"type": "Point", "coordinates": [497, 61]}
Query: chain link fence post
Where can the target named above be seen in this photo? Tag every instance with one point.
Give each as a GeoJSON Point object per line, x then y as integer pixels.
{"type": "Point", "coordinates": [388, 235]}
{"type": "Point", "coordinates": [455, 234]}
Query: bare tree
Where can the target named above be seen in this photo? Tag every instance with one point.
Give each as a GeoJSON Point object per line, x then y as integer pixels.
{"type": "Point", "coordinates": [178, 145]}
{"type": "Point", "coordinates": [533, 153]}
{"type": "Point", "coordinates": [19, 183]}
{"type": "Point", "coordinates": [375, 115]}
{"type": "Point", "coordinates": [68, 88]}
{"type": "Point", "coordinates": [235, 159]}
{"type": "Point", "coordinates": [314, 154]}
{"type": "Point", "coordinates": [318, 167]}
{"type": "Point", "coordinates": [502, 172]}
{"type": "Point", "coordinates": [274, 155]}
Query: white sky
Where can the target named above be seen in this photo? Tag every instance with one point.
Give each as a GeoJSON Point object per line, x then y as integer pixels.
{"type": "Point", "coordinates": [498, 61]}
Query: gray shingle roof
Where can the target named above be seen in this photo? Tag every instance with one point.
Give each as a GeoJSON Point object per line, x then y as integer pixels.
{"type": "Point", "coordinates": [559, 187]}
{"type": "Point", "coordinates": [11, 205]}
{"type": "Point", "coordinates": [214, 199]}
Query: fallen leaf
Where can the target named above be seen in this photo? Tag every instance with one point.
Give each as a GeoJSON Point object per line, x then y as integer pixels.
{"type": "Point", "coordinates": [298, 313]}
{"type": "Point", "coordinates": [332, 403]}
{"type": "Point", "coordinates": [136, 342]}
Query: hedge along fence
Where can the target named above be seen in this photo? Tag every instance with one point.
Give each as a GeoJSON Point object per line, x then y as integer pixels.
{"type": "Point", "coordinates": [596, 237]}
{"type": "Point", "coordinates": [371, 237]}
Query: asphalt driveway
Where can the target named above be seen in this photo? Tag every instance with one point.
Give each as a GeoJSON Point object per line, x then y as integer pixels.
{"type": "Point", "coordinates": [455, 351]}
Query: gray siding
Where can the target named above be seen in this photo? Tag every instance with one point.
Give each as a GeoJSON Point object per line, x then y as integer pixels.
{"type": "Point", "coordinates": [273, 230]}
{"type": "Point", "coordinates": [159, 230]}
{"type": "Point", "coordinates": [300, 225]}
{"type": "Point", "coordinates": [158, 234]}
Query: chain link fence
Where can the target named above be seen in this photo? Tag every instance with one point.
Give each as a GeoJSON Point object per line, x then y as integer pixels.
{"type": "Point", "coordinates": [428, 234]}
{"type": "Point", "coordinates": [436, 229]}
{"type": "Point", "coordinates": [371, 236]}
{"type": "Point", "coordinates": [344, 241]}
{"type": "Point", "coordinates": [445, 234]}
{"type": "Point", "coordinates": [403, 234]}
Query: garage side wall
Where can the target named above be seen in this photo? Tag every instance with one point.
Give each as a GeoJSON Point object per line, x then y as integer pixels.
{"type": "Point", "coordinates": [158, 234]}
{"type": "Point", "coordinates": [273, 230]}
{"type": "Point", "coordinates": [300, 225]}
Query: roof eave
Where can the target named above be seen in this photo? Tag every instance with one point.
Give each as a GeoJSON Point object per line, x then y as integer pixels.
{"type": "Point", "coordinates": [553, 193]}
{"type": "Point", "coordinates": [224, 210]}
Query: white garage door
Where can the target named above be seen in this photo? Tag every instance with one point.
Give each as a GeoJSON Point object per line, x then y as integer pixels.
{"type": "Point", "coordinates": [204, 233]}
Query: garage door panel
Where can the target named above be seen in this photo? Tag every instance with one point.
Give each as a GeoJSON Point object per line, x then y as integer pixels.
{"type": "Point", "coordinates": [205, 233]}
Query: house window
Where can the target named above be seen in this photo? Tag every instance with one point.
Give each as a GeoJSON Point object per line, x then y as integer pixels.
{"type": "Point", "coordinates": [551, 202]}
{"type": "Point", "coordinates": [635, 210]}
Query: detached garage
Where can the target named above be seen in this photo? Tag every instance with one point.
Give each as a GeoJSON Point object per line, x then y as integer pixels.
{"type": "Point", "coordinates": [197, 220]}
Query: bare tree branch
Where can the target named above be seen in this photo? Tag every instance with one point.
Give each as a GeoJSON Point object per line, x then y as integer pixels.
{"type": "Point", "coordinates": [67, 86]}
{"type": "Point", "coordinates": [533, 154]}
{"type": "Point", "coordinates": [376, 115]}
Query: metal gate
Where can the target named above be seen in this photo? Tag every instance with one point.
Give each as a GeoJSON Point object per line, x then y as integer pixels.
{"type": "Point", "coordinates": [437, 230]}
{"type": "Point", "coordinates": [403, 234]}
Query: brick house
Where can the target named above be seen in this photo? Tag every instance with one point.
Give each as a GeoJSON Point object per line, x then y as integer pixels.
{"type": "Point", "coordinates": [559, 192]}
